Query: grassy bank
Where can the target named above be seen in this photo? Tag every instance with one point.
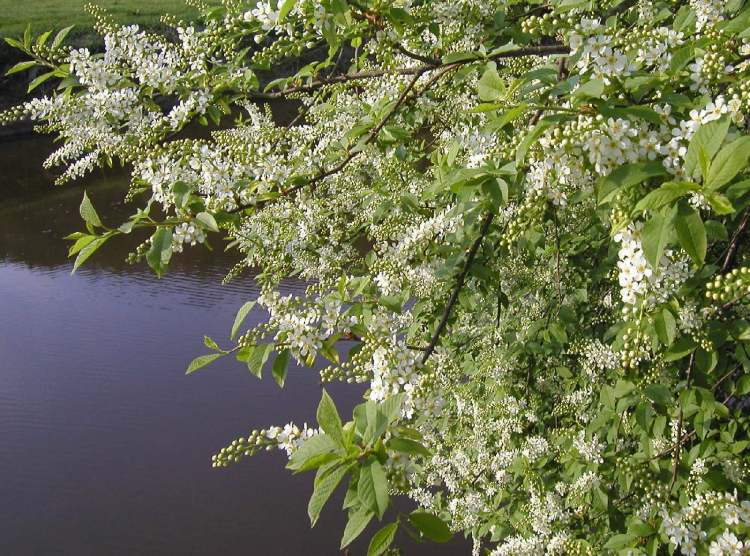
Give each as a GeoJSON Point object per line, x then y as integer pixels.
{"type": "Point", "coordinates": [55, 14]}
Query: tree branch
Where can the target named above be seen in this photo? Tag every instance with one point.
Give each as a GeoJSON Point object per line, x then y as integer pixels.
{"type": "Point", "coordinates": [544, 50]}
{"type": "Point", "coordinates": [735, 241]}
{"type": "Point", "coordinates": [678, 447]}
{"type": "Point", "coordinates": [459, 286]}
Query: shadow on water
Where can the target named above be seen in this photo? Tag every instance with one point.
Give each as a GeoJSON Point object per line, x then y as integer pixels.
{"type": "Point", "coordinates": [105, 443]}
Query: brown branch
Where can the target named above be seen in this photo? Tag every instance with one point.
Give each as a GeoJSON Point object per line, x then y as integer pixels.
{"type": "Point", "coordinates": [678, 447]}
{"type": "Point", "coordinates": [544, 50]}
{"type": "Point", "coordinates": [735, 241]}
{"type": "Point", "coordinates": [459, 286]}
{"type": "Point", "coordinates": [419, 57]}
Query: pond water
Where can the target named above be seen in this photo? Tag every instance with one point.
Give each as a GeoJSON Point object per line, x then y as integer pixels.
{"type": "Point", "coordinates": [106, 443]}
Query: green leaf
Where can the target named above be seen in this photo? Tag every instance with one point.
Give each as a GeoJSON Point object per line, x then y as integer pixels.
{"type": "Point", "coordinates": [594, 88]}
{"type": "Point", "coordinates": [202, 361]}
{"type": "Point", "coordinates": [666, 327]}
{"type": "Point", "coordinates": [372, 487]}
{"type": "Point", "coordinates": [692, 233]}
{"type": "Point", "coordinates": [530, 139]}
{"type": "Point", "coordinates": [281, 366]}
{"type": "Point", "coordinates": [507, 117]}
{"type": "Point", "coordinates": [491, 86]}
{"type": "Point", "coordinates": [314, 452]}
{"type": "Point", "coordinates": [407, 446]}
{"type": "Point", "coordinates": [328, 418]}
{"type": "Point", "coordinates": [21, 66]}
{"type": "Point", "coordinates": [382, 540]}
{"type": "Point", "coordinates": [258, 357]}
{"type": "Point", "coordinates": [617, 542]}
{"type": "Point", "coordinates": [89, 250]}
{"type": "Point", "coordinates": [240, 318]}
{"type": "Point", "coordinates": [704, 144]}
{"type": "Point", "coordinates": [210, 343]}
{"type": "Point", "coordinates": [659, 394]}
{"type": "Point", "coordinates": [656, 234]}
{"type": "Point", "coordinates": [160, 252]}
{"type": "Point", "coordinates": [454, 57]}
{"type": "Point", "coordinates": [623, 388]}
{"type": "Point", "coordinates": [743, 385]}
{"type": "Point", "coordinates": [376, 422]}
{"type": "Point", "coordinates": [80, 243]}
{"type": "Point", "coordinates": [60, 37]}
{"type": "Point", "coordinates": [391, 407]}
{"type": "Point", "coordinates": [39, 80]}
{"type": "Point", "coordinates": [627, 176]}
{"type": "Point", "coordinates": [680, 349]}
{"type": "Point", "coordinates": [666, 194]}
{"type": "Point", "coordinates": [326, 482]}
{"type": "Point", "coordinates": [728, 163]}
{"type": "Point", "coordinates": [719, 203]}
{"type": "Point", "coordinates": [88, 212]}
{"type": "Point", "coordinates": [207, 221]}
{"type": "Point", "coordinates": [356, 524]}
{"type": "Point", "coordinates": [431, 526]}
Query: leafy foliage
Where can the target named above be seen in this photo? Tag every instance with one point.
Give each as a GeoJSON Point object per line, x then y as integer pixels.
{"type": "Point", "coordinates": [529, 218]}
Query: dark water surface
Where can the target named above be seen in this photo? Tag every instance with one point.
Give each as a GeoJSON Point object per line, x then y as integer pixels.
{"type": "Point", "coordinates": [105, 444]}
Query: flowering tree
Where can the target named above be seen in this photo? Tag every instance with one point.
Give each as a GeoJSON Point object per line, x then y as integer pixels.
{"type": "Point", "coordinates": [529, 217]}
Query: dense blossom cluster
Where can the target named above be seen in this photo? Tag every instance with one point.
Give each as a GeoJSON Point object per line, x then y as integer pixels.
{"type": "Point", "coordinates": [523, 227]}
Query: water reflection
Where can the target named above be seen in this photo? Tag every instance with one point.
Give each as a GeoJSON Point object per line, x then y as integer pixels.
{"type": "Point", "coordinates": [105, 442]}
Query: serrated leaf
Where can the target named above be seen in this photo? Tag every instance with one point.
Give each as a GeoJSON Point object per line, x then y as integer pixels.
{"type": "Point", "coordinates": [281, 367]}
{"type": "Point", "coordinates": [655, 236]}
{"type": "Point", "coordinates": [240, 318]}
{"type": "Point", "coordinates": [692, 233]}
{"type": "Point", "coordinates": [729, 161]}
{"type": "Point", "coordinates": [60, 37]}
{"type": "Point", "coordinates": [202, 361]}
{"type": "Point", "coordinates": [372, 487]}
{"type": "Point", "coordinates": [704, 144]}
{"type": "Point", "coordinates": [666, 194]}
{"type": "Point", "coordinates": [160, 252]}
{"type": "Point", "coordinates": [408, 446]}
{"type": "Point", "coordinates": [626, 176]}
{"type": "Point", "coordinates": [682, 347]}
{"type": "Point", "coordinates": [325, 483]}
{"type": "Point", "coordinates": [88, 250]}
{"type": "Point", "coordinates": [356, 524]}
{"type": "Point", "coordinates": [328, 418]}
{"type": "Point", "coordinates": [258, 358]}
{"type": "Point", "coordinates": [382, 540]}
{"type": "Point", "coordinates": [491, 86]}
{"type": "Point", "coordinates": [666, 326]}
{"type": "Point", "coordinates": [314, 452]}
{"type": "Point", "coordinates": [616, 542]}
{"type": "Point", "coordinates": [21, 66]}
{"type": "Point", "coordinates": [88, 212]}
{"type": "Point", "coordinates": [431, 526]}
{"type": "Point", "coordinates": [40, 80]}
{"type": "Point", "coordinates": [207, 221]}
{"type": "Point", "coordinates": [659, 394]}
{"type": "Point", "coordinates": [594, 88]}
{"type": "Point", "coordinates": [210, 343]}
{"type": "Point", "coordinates": [80, 243]}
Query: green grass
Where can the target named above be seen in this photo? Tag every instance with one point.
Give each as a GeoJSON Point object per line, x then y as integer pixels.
{"type": "Point", "coordinates": [56, 14]}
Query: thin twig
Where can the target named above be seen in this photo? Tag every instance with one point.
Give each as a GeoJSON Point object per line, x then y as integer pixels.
{"type": "Point", "coordinates": [543, 50]}
{"type": "Point", "coordinates": [735, 241]}
{"type": "Point", "coordinates": [678, 448]}
{"type": "Point", "coordinates": [459, 286]}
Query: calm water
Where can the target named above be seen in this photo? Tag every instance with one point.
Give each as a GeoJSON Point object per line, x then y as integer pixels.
{"type": "Point", "coordinates": [105, 443]}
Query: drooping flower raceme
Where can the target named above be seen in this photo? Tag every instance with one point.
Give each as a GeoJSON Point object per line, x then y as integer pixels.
{"type": "Point", "coordinates": [521, 226]}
